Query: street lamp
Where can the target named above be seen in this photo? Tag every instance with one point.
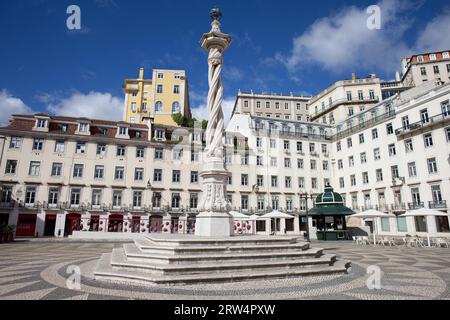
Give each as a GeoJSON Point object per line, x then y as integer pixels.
{"type": "Point", "coordinates": [305, 196]}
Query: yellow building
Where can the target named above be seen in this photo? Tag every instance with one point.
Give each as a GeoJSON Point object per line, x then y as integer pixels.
{"type": "Point", "coordinates": [158, 98]}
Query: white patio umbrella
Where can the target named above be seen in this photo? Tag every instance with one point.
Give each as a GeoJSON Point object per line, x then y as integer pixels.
{"type": "Point", "coordinates": [275, 214]}
{"type": "Point", "coordinates": [239, 216]}
{"type": "Point", "coordinates": [425, 212]}
{"type": "Point", "coordinates": [373, 214]}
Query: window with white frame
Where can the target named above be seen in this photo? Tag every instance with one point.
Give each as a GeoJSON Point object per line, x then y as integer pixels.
{"type": "Point", "coordinates": [432, 166]}
{"type": "Point", "coordinates": [99, 172]}
{"type": "Point", "coordinates": [80, 148]}
{"type": "Point", "coordinates": [409, 145]}
{"type": "Point", "coordinates": [35, 168]}
{"type": "Point", "coordinates": [59, 146]}
{"type": "Point", "coordinates": [15, 143]}
{"type": "Point", "coordinates": [11, 167]}
{"type": "Point", "coordinates": [38, 144]}
{"type": "Point", "coordinates": [119, 173]}
{"type": "Point", "coordinates": [428, 140]}
{"type": "Point", "coordinates": [412, 170]}
{"type": "Point", "coordinates": [57, 169]}
{"type": "Point", "coordinates": [139, 174]}
{"type": "Point", "coordinates": [78, 171]}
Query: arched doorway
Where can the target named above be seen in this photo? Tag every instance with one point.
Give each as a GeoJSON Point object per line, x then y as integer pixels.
{"type": "Point", "coordinates": [73, 223]}
{"type": "Point", "coordinates": [115, 223]}
{"type": "Point", "coordinates": [156, 224]}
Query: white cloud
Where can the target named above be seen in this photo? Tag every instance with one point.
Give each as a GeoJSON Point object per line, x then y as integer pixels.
{"type": "Point", "coordinates": [200, 112]}
{"type": "Point", "coordinates": [436, 35]}
{"type": "Point", "coordinates": [233, 73]}
{"type": "Point", "coordinates": [342, 40]}
{"type": "Point", "coordinates": [11, 105]}
{"type": "Point", "coordinates": [96, 105]}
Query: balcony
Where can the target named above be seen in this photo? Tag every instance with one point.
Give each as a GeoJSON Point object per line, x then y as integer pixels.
{"type": "Point", "coordinates": [439, 119]}
{"type": "Point", "coordinates": [398, 207]}
{"type": "Point", "coordinates": [415, 205]}
{"type": "Point", "coordinates": [437, 204]}
{"type": "Point", "coordinates": [336, 103]}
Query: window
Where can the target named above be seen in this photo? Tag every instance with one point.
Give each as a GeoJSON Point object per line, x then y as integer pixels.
{"type": "Point", "coordinates": [99, 172]}
{"type": "Point", "coordinates": [394, 172]}
{"type": "Point", "coordinates": [119, 173]}
{"type": "Point", "coordinates": [351, 161]}
{"type": "Point", "coordinates": [300, 163]}
{"type": "Point", "coordinates": [363, 157]}
{"type": "Point", "coordinates": [30, 195]}
{"type": "Point", "coordinates": [78, 170]}
{"type": "Point", "coordinates": [194, 177]}
{"type": "Point", "coordinates": [325, 165]}
{"type": "Point", "coordinates": [428, 140]}
{"type": "Point", "coordinates": [379, 174]}
{"type": "Point", "coordinates": [176, 200]}
{"type": "Point", "coordinates": [159, 88]}
{"type": "Point", "coordinates": [392, 150]}
{"type": "Point", "coordinates": [405, 122]}
{"type": "Point", "coordinates": [156, 200]}
{"type": "Point", "coordinates": [83, 127]}
{"type": "Point", "coordinates": [230, 180]}
{"type": "Point", "coordinates": [75, 196]}
{"type": "Point", "coordinates": [177, 154]}
{"type": "Point", "coordinates": [11, 166]}
{"type": "Point", "coordinates": [144, 107]}
{"type": "Point", "coordinates": [423, 71]}
{"type": "Point", "coordinates": [349, 143]}
{"type": "Point", "coordinates": [157, 175]}
{"type": "Point", "coordinates": [432, 165]}
{"type": "Point", "coordinates": [59, 146]}
{"type": "Point", "coordinates": [324, 148]}
{"type": "Point", "coordinates": [159, 154]}
{"type": "Point", "coordinates": [267, 105]}
{"type": "Point", "coordinates": [140, 152]}
{"type": "Point", "coordinates": [424, 116]}
{"type": "Point", "coordinates": [175, 107]}
{"type": "Point", "coordinates": [274, 181]}
{"type": "Point", "coordinates": [371, 95]}
{"type": "Point", "coordinates": [353, 180]}
{"type": "Point", "coordinates": [273, 143]}
{"type": "Point", "coordinates": [360, 95]}
{"type": "Point", "coordinates": [412, 171]}
{"type": "Point", "coordinates": [123, 131]}
{"type": "Point", "coordinates": [57, 169]}
{"type": "Point", "coordinates": [447, 131]}
{"type": "Point", "coordinates": [287, 162]}
{"type": "Point", "coordinates": [158, 106]}
{"type": "Point", "coordinates": [117, 198]}
{"type": "Point", "coordinates": [374, 134]}
{"type": "Point", "coordinates": [409, 145]}
{"type": "Point", "coordinates": [349, 96]}
{"type": "Point", "coordinates": [15, 143]}
{"type": "Point", "coordinates": [436, 69]}
{"type": "Point", "coordinates": [313, 165]}
{"type": "Point", "coordinates": [258, 142]}
{"type": "Point", "coordinates": [288, 182]}
{"type": "Point", "coordinates": [341, 183]}
{"type": "Point", "coordinates": [299, 146]}
{"type": "Point", "coordinates": [53, 194]}
{"type": "Point", "coordinates": [389, 128]}
{"type": "Point", "coordinates": [419, 58]}
{"type": "Point", "coordinates": [445, 106]}
{"type": "Point", "coordinates": [277, 105]}
{"type": "Point", "coordinates": [376, 154]}
{"type": "Point", "coordinates": [361, 138]}
{"type": "Point", "coordinates": [176, 89]}
{"type": "Point", "coordinates": [139, 174]}
{"type": "Point", "coordinates": [260, 181]}
{"type": "Point", "coordinates": [273, 162]}
{"type": "Point", "coordinates": [120, 152]}
{"type": "Point", "coordinates": [133, 107]}
{"type": "Point", "coordinates": [80, 148]}
{"type": "Point", "coordinates": [244, 202]}
{"type": "Point", "coordinates": [35, 168]}
{"type": "Point", "coordinates": [314, 184]}
{"type": "Point", "coordinates": [340, 164]}
{"type": "Point", "coordinates": [41, 123]}
{"type": "Point", "coordinates": [176, 176]}
{"type": "Point", "coordinates": [351, 112]}
{"type": "Point", "coordinates": [137, 199]}
{"type": "Point", "coordinates": [244, 160]}
{"type": "Point", "coordinates": [286, 145]}
{"type": "Point", "coordinates": [365, 177]}
{"type": "Point", "coordinates": [338, 146]}
{"type": "Point", "coordinates": [301, 182]}
{"type": "Point", "coordinates": [437, 195]}
{"type": "Point", "coordinates": [101, 149]}
{"type": "Point", "coordinates": [312, 147]}
{"type": "Point", "coordinates": [193, 201]}
{"type": "Point", "coordinates": [258, 104]}
{"type": "Point", "coordinates": [244, 179]}
{"type": "Point", "coordinates": [38, 144]}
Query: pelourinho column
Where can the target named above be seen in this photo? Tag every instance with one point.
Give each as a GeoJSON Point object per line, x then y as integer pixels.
{"type": "Point", "coordinates": [214, 219]}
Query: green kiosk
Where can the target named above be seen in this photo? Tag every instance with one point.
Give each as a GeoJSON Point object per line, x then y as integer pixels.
{"type": "Point", "coordinates": [328, 216]}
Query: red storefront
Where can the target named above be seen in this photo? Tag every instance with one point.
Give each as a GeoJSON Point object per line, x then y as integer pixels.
{"type": "Point", "coordinates": [26, 225]}
{"type": "Point", "coordinates": [73, 223]}
{"type": "Point", "coordinates": [115, 223]}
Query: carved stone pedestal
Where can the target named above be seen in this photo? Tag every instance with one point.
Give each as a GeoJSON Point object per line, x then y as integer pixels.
{"type": "Point", "coordinates": [214, 219]}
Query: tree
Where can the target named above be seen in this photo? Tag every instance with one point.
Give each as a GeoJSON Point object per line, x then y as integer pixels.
{"type": "Point", "coordinates": [178, 118]}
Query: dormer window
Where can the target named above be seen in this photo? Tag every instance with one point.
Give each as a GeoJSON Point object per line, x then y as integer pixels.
{"type": "Point", "coordinates": [42, 123]}
{"type": "Point", "coordinates": [103, 131]}
{"type": "Point", "coordinates": [445, 55]}
{"type": "Point", "coordinates": [123, 131]}
{"type": "Point", "coordinates": [160, 134]}
{"type": "Point", "coordinates": [64, 128]}
{"type": "Point", "coordinates": [138, 135]}
{"type": "Point", "coordinates": [84, 127]}
{"type": "Point", "coordinates": [432, 56]}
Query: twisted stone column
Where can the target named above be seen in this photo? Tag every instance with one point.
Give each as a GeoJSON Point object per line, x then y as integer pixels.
{"type": "Point", "coordinates": [214, 219]}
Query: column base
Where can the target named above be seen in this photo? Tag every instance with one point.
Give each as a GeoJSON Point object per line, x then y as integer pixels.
{"type": "Point", "coordinates": [214, 224]}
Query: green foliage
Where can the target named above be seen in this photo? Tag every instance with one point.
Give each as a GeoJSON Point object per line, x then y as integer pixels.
{"type": "Point", "coordinates": [204, 124]}
{"type": "Point", "coordinates": [178, 118]}
{"type": "Point", "coordinates": [187, 123]}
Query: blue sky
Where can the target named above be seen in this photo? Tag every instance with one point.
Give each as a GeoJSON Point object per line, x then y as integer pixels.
{"type": "Point", "coordinates": [279, 47]}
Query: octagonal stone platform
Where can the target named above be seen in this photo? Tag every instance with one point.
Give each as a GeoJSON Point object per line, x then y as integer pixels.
{"type": "Point", "coordinates": [178, 260]}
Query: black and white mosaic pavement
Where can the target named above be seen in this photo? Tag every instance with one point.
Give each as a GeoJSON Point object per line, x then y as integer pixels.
{"type": "Point", "coordinates": [38, 270]}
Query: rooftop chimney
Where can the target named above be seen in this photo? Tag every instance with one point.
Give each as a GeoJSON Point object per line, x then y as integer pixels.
{"type": "Point", "coordinates": [354, 76]}
{"type": "Point", "coordinates": [141, 73]}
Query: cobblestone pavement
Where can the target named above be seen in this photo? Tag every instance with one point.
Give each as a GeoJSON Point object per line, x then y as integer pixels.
{"type": "Point", "coordinates": [38, 270]}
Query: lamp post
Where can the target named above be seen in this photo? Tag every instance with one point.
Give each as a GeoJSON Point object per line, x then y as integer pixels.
{"type": "Point", "coordinates": [305, 196]}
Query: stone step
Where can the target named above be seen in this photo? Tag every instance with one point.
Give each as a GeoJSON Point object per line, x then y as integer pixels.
{"type": "Point", "coordinates": [148, 247]}
{"type": "Point", "coordinates": [105, 272]}
{"type": "Point", "coordinates": [119, 261]}
{"type": "Point", "coordinates": [189, 241]}
{"type": "Point", "coordinates": [133, 253]}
